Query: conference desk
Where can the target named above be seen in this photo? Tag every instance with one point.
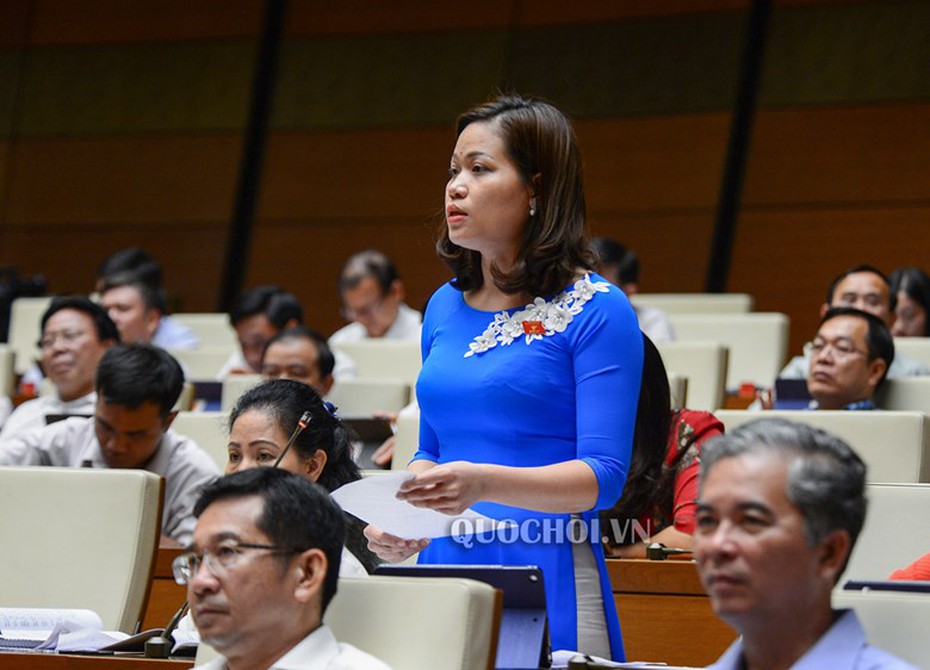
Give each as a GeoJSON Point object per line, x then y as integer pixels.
{"type": "Point", "coordinates": [665, 614]}
{"type": "Point", "coordinates": [33, 661]}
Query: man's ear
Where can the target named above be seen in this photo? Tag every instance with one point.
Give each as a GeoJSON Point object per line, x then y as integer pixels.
{"type": "Point", "coordinates": [824, 308]}
{"type": "Point", "coordinates": [397, 289]}
{"type": "Point", "coordinates": [832, 552]}
{"type": "Point", "coordinates": [326, 385]}
{"type": "Point", "coordinates": [311, 569]}
{"type": "Point", "coordinates": [170, 419]}
{"type": "Point", "coordinates": [877, 368]}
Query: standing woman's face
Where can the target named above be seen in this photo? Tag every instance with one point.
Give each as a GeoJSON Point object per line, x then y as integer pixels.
{"type": "Point", "coordinates": [910, 317]}
{"type": "Point", "coordinates": [487, 201]}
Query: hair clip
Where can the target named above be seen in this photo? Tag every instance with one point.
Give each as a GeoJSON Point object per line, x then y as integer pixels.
{"type": "Point", "coordinates": [330, 408]}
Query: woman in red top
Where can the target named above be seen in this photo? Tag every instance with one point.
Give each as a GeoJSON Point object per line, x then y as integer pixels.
{"type": "Point", "coordinates": [662, 485]}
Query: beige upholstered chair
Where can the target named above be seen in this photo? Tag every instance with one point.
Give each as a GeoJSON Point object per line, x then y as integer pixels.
{"type": "Point", "coordinates": [895, 622]}
{"type": "Point", "coordinates": [203, 364]}
{"type": "Point", "coordinates": [79, 538]}
{"type": "Point", "coordinates": [758, 342]}
{"type": "Point", "coordinates": [213, 328]}
{"type": "Point", "coordinates": [896, 531]}
{"type": "Point", "coordinates": [208, 430]}
{"type": "Point", "coordinates": [25, 315]}
{"type": "Point", "coordinates": [894, 445]}
{"type": "Point", "coordinates": [385, 359]}
{"type": "Point", "coordinates": [678, 390]}
{"type": "Point", "coordinates": [7, 370]}
{"type": "Point", "coordinates": [415, 623]}
{"type": "Point", "coordinates": [697, 303]}
{"type": "Point", "coordinates": [234, 386]}
{"type": "Point", "coordinates": [905, 393]}
{"type": "Point", "coordinates": [704, 364]}
{"type": "Point", "coordinates": [915, 347]}
{"type": "Point", "coordinates": [361, 397]}
{"type": "Point", "coordinates": [406, 439]}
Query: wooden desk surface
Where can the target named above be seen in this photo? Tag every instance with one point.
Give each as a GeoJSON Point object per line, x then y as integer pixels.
{"type": "Point", "coordinates": [665, 614]}
{"type": "Point", "coordinates": [166, 595]}
{"type": "Point", "coordinates": [22, 661]}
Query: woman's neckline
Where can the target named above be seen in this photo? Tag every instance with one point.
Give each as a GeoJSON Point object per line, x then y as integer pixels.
{"type": "Point", "coordinates": [528, 301]}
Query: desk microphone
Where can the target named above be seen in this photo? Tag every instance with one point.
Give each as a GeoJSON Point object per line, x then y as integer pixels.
{"type": "Point", "coordinates": [161, 645]}
{"type": "Point", "coordinates": [659, 552]}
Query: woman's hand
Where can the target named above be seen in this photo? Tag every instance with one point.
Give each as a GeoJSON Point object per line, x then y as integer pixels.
{"type": "Point", "coordinates": [450, 488]}
{"type": "Point", "coordinates": [391, 548]}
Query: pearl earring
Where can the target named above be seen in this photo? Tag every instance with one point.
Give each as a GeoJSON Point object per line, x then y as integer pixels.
{"type": "Point", "coordinates": [533, 207]}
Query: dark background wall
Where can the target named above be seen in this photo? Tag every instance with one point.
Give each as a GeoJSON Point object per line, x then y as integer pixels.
{"type": "Point", "coordinates": [121, 123]}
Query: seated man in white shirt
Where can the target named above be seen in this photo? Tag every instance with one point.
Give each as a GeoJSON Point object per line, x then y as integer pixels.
{"type": "Point", "coordinates": [863, 287]}
{"type": "Point", "coordinates": [780, 506]}
{"type": "Point", "coordinates": [373, 300]}
{"type": "Point", "coordinates": [620, 266]}
{"type": "Point", "coordinates": [301, 354]}
{"type": "Point", "coordinates": [262, 570]}
{"type": "Point", "coordinates": [257, 315]}
{"type": "Point", "coordinates": [137, 307]}
{"type": "Point", "coordinates": [137, 387]}
{"type": "Point", "coordinates": [76, 332]}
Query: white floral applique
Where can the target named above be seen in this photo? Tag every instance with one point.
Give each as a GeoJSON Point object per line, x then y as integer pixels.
{"type": "Point", "coordinates": [538, 319]}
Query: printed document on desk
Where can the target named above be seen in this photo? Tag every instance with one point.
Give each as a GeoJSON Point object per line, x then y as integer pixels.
{"type": "Point", "coordinates": [51, 629]}
{"type": "Point", "coordinates": [374, 500]}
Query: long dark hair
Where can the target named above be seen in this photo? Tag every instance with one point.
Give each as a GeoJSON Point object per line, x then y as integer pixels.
{"type": "Point", "coordinates": [541, 142]}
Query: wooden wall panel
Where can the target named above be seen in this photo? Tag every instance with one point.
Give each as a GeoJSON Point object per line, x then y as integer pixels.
{"type": "Point", "coordinates": [122, 180]}
{"type": "Point", "coordinates": [845, 155]}
{"type": "Point", "coordinates": [787, 256]}
{"type": "Point", "coordinates": [190, 253]}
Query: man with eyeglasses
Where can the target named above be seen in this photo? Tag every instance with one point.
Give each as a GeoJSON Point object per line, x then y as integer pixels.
{"type": "Point", "coordinates": [373, 300]}
{"type": "Point", "coordinates": [76, 333]}
{"type": "Point", "coordinates": [261, 572]}
{"type": "Point", "coordinates": [137, 386]}
{"type": "Point", "coordinates": [862, 287]}
{"type": "Point", "coordinates": [850, 356]}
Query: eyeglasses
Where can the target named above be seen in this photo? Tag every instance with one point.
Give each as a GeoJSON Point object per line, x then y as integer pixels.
{"type": "Point", "coordinates": [363, 312]}
{"type": "Point", "coordinates": [841, 349]}
{"type": "Point", "coordinates": [67, 336]}
{"type": "Point", "coordinates": [218, 561]}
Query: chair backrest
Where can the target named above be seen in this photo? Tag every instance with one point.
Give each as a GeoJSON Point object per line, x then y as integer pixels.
{"type": "Point", "coordinates": [80, 538]}
{"type": "Point", "coordinates": [894, 622]}
{"type": "Point", "coordinates": [697, 303]}
{"type": "Point", "coordinates": [385, 359]}
{"type": "Point", "coordinates": [25, 315]}
{"type": "Point", "coordinates": [234, 386]}
{"type": "Point", "coordinates": [905, 394]}
{"type": "Point", "coordinates": [7, 370]}
{"type": "Point", "coordinates": [213, 328]}
{"type": "Point", "coordinates": [414, 623]}
{"type": "Point", "coordinates": [758, 342]}
{"type": "Point", "coordinates": [704, 364]}
{"type": "Point", "coordinates": [208, 430]}
{"type": "Point", "coordinates": [203, 364]}
{"type": "Point", "coordinates": [917, 348]}
{"type": "Point", "coordinates": [896, 531]}
{"type": "Point", "coordinates": [363, 397]}
{"type": "Point", "coordinates": [406, 439]}
{"type": "Point", "coordinates": [678, 390]}
{"type": "Point", "coordinates": [894, 445]}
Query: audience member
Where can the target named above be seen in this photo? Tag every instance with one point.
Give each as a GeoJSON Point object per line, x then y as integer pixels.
{"type": "Point", "coordinates": [258, 315]}
{"type": "Point", "coordinates": [911, 288]}
{"type": "Point", "coordinates": [863, 287]}
{"type": "Point", "coordinates": [138, 263]}
{"type": "Point", "coordinates": [76, 332]}
{"type": "Point", "coordinates": [137, 387]}
{"type": "Point", "coordinates": [260, 424]}
{"type": "Point", "coordinates": [662, 483]}
{"type": "Point", "coordinates": [620, 267]}
{"type": "Point", "coordinates": [780, 507]}
{"type": "Point", "coordinates": [850, 356]}
{"type": "Point", "coordinates": [373, 300]}
{"type": "Point", "coordinates": [270, 544]}
{"type": "Point", "coordinates": [137, 308]}
{"type": "Point", "coordinates": [301, 354]}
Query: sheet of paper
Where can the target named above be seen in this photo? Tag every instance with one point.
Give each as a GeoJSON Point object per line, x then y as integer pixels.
{"type": "Point", "coordinates": [373, 500]}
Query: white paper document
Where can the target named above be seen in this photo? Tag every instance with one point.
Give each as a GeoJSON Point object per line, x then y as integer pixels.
{"type": "Point", "coordinates": [374, 500]}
